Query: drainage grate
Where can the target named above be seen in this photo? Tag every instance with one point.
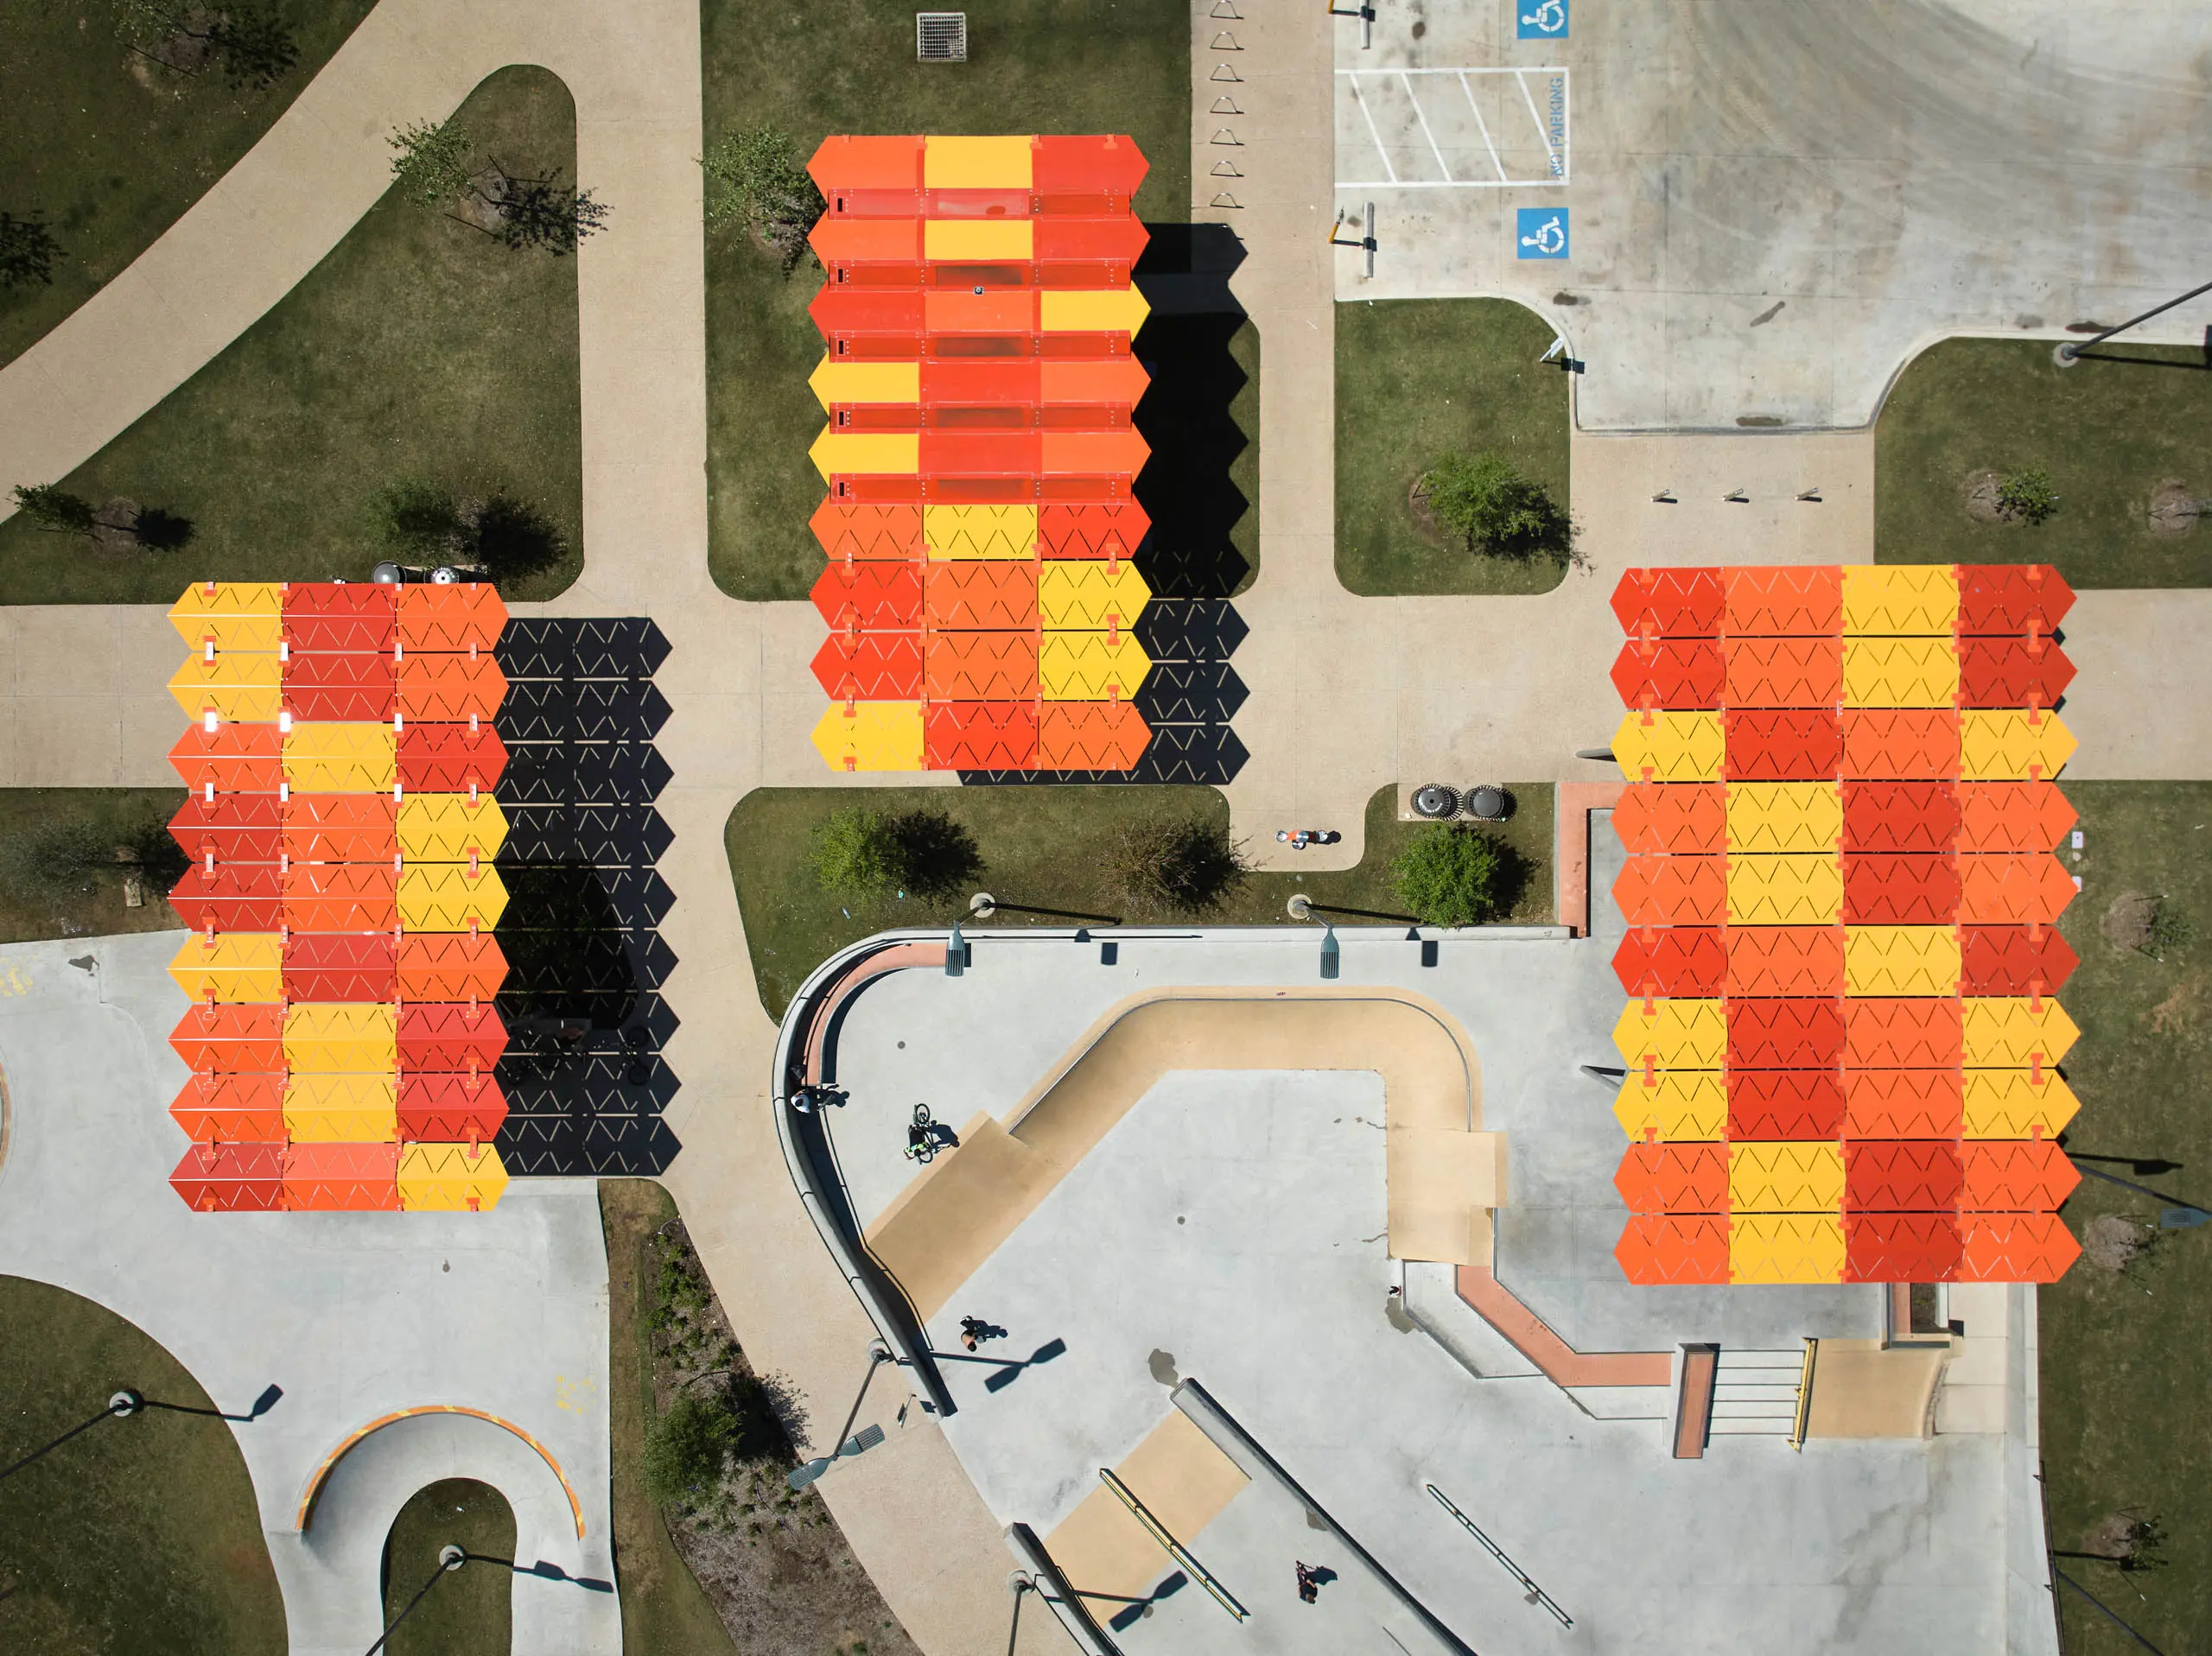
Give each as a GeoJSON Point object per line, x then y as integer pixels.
{"type": "Point", "coordinates": [941, 37]}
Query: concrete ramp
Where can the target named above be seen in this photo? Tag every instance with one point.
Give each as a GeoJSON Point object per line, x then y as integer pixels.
{"type": "Point", "coordinates": [1444, 1173]}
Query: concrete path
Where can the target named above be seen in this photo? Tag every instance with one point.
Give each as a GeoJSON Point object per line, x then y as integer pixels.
{"type": "Point", "coordinates": [356, 1317]}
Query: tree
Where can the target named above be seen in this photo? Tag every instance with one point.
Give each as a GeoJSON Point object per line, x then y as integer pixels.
{"type": "Point", "coordinates": [59, 858]}
{"type": "Point", "coordinates": [1449, 875]}
{"type": "Point", "coordinates": [755, 179]}
{"type": "Point", "coordinates": [255, 46]}
{"type": "Point", "coordinates": [2026, 496]}
{"type": "Point", "coordinates": [1494, 509]}
{"type": "Point", "coordinates": [28, 250]}
{"type": "Point", "coordinates": [688, 1449]}
{"type": "Point", "coordinates": [865, 855]}
{"type": "Point", "coordinates": [432, 165]}
{"type": "Point", "coordinates": [1185, 864]}
{"type": "Point", "coordinates": [53, 508]}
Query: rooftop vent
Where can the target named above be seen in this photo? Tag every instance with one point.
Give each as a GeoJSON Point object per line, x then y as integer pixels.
{"type": "Point", "coordinates": [941, 37]}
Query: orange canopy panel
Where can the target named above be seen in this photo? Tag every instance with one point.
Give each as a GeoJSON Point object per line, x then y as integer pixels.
{"type": "Point", "coordinates": [340, 895]}
{"type": "Point", "coordinates": [237, 1107]}
{"type": "Point", "coordinates": [446, 1108]}
{"type": "Point", "coordinates": [878, 597]}
{"type": "Point", "coordinates": [340, 828]}
{"type": "Point", "coordinates": [449, 1036]}
{"type": "Point", "coordinates": [446, 758]}
{"type": "Point", "coordinates": [870, 666]}
{"type": "Point", "coordinates": [234, 828]}
{"type": "Point", "coordinates": [849, 532]}
{"type": "Point", "coordinates": [463, 616]}
{"type": "Point", "coordinates": [357, 615]}
{"type": "Point", "coordinates": [318, 684]}
{"type": "Point", "coordinates": [320, 1178]}
{"type": "Point", "coordinates": [981, 594]}
{"type": "Point", "coordinates": [1091, 736]}
{"type": "Point", "coordinates": [232, 758]}
{"type": "Point", "coordinates": [449, 966]}
{"type": "Point", "coordinates": [449, 688]}
{"type": "Point", "coordinates": [980, 736]}
{"type": "Point", "coordinates": [228, 1037]}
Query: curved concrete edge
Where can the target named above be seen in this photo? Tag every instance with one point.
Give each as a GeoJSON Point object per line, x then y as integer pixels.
{"type": "Point", "coordinates": [330, 1575]}
{"type": "Point", "coordinates": [320, 1477]}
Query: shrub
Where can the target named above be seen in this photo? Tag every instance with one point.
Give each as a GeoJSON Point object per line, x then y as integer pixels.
{"type": "Point", "coordinates": [866, 855]}
{"type": "Point", "coordinates": [28, 250]}
{"type": "Point", "coordinates": [416, 521]}
{"type": "Point", "coordinates": [687, 1449]}
{"type": "Point", "coordinates": [2026, 496]}
{"type": "Point", "coordinates": [1494, 509]}
{"type": "Point", "coordinates": [59, 858]}
{"type": "Point", "coordinates": [432, 165]}
{"type": "Point", "coordinates": [1175, 865]}
{"type": "Point", "coordinates": [1450, 875]}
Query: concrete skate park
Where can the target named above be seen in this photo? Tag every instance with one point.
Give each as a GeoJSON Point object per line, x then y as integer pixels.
{"type": "Point", "coordinates": [1290, 1244]}
{"type": "Point", "coordinates": [1253, 1244]}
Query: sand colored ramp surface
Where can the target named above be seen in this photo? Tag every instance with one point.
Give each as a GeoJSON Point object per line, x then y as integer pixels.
{"type": "Point", "coordinates": [1861, 1389]}
{"type": "Point", "coordinates": [1444, 1173]}
{"type": "Point", "coordinates": [1183, 1481]}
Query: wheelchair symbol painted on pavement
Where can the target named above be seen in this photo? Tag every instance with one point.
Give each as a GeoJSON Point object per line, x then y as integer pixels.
{"type": "Point", "coordinates": [1540, 233]}
{"type": "Point", "coordinates": [1544, 20]}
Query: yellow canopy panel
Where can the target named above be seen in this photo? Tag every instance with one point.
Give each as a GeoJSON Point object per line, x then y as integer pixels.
{"type": "Point", "coordinates": [441, 896]}
{"type": "Point", "coordinates": [236, 634]}
{"type": "Point", "coordinates": [980, 531]}
{"type": "Point", "coordinates": [833, 382]}
{"type": "Point", "coordinates": [2012, 1032]}
{"type": "Point", "coordinates": [1084, 667]}
{"type": "Point", "coordinates": [2013, 1104]}
{"type": "Point", "coordinates": [873, 736]}
{"type": "Point", "coordinates": [1670, 747]}
{"type": "Point", "coordinates": [362, 1127]}
{"type": "Point", "coordinates": [978, 238]}
{"type": "Point", "coordinates": [1673, 1106]}
{"type": "Point", "coordinates": [2009, 746]}
{"type": "Point", "coordinates": [1674, 1034]}
{"type": "Point", "coordinates": [875, 453]}
{"type": "Point", "coordinates": [1799, 1247]}
{"type": "Point", "coordinates": [340, 759]}
{"type": "Point", "coordinates": [1784, 816]}
{"type": "Point", "coordinates": [314, 1091]}
{"type": "Point", "coordinates": [1901, 960]}
{"type": "Point", "coordinates": [1793, 1176]}
{"type": "Point", "coordinates": [328, 1037]}
{"type": "Point", "coordinates": [444, 827]}
{"type": "Point", "coordinates": [1906, 600]}
{"type": "Point", "coordinates": [230, 601]}
{"type": "Point", "coordinates": [1797, 890]}
{"type": "Point", "coordinates": [242, 689]}
{"type": "Point", "coordinates": [450, 1178]}
{"type": "Point", "coordinates": [960, 163]}
{"type": "Point", "coordinates": [1899, 673]}
{"type": "Point", "coordinates": [240, 967]}
{"type": "Point", "coordinates": [1091, 310]}
{"type": "Point", "coordinates": [1083, 593]}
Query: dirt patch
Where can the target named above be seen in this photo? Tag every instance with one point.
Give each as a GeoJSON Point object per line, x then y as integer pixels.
{"type": "Point", "coordinates": [2127, 922]}
{"type": "Point", "coordinates": [2173, 507]}
{"type": "Point", "coordinates": [2181, 1012]}
{"type": "Point", "coordinates": [115, 525]}
{"type": "Point", "coordinates": [1423, 514]}
{"type": "Point", "coordinates": [772, 1562]}
{"type": "Point", "coordinates": [2113, 1242]}
{"type": "Point", "coordinates": [484, 204]}
{"type": "Point", "coordinates": [1980, 496]}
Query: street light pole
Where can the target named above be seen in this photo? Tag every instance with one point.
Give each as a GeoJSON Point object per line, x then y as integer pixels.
{"type": "Point", "coordinates": [2070, 350]}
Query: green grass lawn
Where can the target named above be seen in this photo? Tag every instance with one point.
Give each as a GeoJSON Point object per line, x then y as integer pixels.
{"type": "Point", "coordinates": [110, 148]}
{"type": "Point", "coordinates": [848, 66]}
{"type": "Point", "coordinates": [1419, 378]}
{"type": "Point", "coordinates": [470, 1609]}
{"type": "Point", "coordinates": [419, 347]}
{"type": "Point", "coordinates": [2108, 432]}
{"type": "Point", "coordinates": [664, 1610]}
{"type": "Point", "coordinates": [93, 905]}
{"type": "Point", "coordinates": [142, 1534]}
{"type": "Point", "coordinates": [2125, 1421]}
{"type": "Point", "coordinates": [1044, 847]}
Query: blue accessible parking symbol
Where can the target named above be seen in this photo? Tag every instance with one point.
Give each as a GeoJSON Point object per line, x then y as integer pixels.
{"type": "Point", "coordinates": [1540, 233]}
{"type": "Point", "coordinates": [1541, 20]}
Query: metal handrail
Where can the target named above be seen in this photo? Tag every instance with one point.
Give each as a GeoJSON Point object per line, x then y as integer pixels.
{"type": "Point", "coordinates": [1804, 1397]}
{"type": "Point", "coordinates": [1176, 1550]}
{"type": "Point", "coordinates": [1536, 1594]}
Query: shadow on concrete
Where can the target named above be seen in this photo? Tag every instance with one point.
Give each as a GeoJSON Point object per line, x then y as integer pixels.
{"type": "Point", "coordinates": [583, 1076]}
